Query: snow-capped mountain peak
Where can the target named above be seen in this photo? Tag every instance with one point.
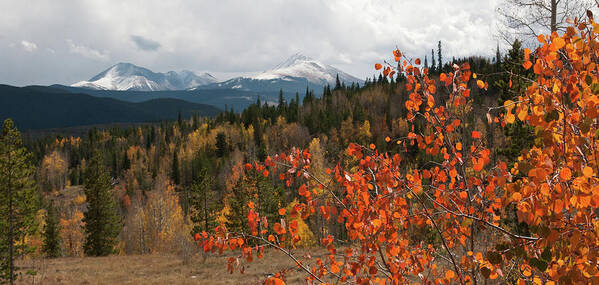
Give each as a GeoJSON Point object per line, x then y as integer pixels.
{"type": "Point", "coordinates": [294, 74]}
{"type": "Point", "coordinates": [127, 76]}
{"type": "Point", "coordinates": [301, 66]}
{"type": "Point", "coordinates": [293, 60]}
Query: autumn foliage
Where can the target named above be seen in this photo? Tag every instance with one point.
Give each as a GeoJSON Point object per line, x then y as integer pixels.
{"type": "Point", "coordinates": [464, 199]}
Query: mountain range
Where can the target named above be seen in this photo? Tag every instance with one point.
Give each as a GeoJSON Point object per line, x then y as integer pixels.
{"type": "Point", "coordinates": [126, 93]}
{"type": "Point", "coordinates": [295, 74]}
{"type": "Point", "coordinates": [292, 75]}
{"type": "Point", "coordinates": [127, 76]}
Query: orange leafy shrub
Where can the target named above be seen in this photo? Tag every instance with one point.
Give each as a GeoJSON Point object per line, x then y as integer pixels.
{"type": "Point", "coordinates": [459, 198]}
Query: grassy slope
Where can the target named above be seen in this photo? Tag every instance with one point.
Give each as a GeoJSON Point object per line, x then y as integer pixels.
{"type": "Point", "coordinates": [157, 269]}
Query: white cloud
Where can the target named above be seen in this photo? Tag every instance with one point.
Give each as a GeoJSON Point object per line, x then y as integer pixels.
{"type": "Point", "coordinates": [87, 51]}
{"type": "Point", "coordinates": [28, 46]}
{"type": "Point", "coordinates": [230, 37]}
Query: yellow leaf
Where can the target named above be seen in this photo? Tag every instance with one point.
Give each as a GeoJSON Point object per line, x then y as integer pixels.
{"type": "Point", "coordinates": [508, 105]}
{"type": "Point", "coordinates": [523, 114]}
{"type": "Point", "coordinates": [480, 84]}
{"type": "Point", "coordinates": [510, 118]}
{"type": "Point", "coordinates": [555, 88]}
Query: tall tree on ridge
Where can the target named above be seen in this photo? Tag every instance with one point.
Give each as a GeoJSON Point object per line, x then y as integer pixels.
{"type": "Point", "coordinates": [102, 223]}
{"type": "Point", "coordinates": [440, 58]}
{"type": "Point", "coordinates": [433, 64]}
{"type": "Point", "coordinates": [51, 234]}
{"type": "Point", "coordinates": [18, 199]}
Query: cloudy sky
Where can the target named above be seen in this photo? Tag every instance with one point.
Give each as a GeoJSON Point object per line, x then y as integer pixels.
{"type": "Point", "coordinates": [49, 41]}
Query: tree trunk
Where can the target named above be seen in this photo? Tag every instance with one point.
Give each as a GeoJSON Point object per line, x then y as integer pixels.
{"type": "Point", "coordinates": [553, 16]}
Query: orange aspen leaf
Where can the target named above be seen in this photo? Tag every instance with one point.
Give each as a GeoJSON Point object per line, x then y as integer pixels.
{"type": "Point", "coordinates": [565, 174]}
{"type": "Point", "coordinates": [587, 172]}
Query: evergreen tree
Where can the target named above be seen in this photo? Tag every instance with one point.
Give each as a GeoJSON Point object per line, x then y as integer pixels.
{"type": "Point", "coordinates": [425, 62]}
{"type": "Point", "coordinates": [222, 147]}
{"type": "Point", "coordinates": [51, 235]}
{"type": "Point", "coordinates": [518, 135]}
{"type": "Point", "coordinates": [282, 107]}
{"type": "Point", "coordinates": [203, 203]}
{"type": "Point", "coordinates": [439, 58]}
{"type": "Point", "coordinates": [126, 161]}
{"type": "Point", "coordinates": [252, 187]}
{"type": "Point", "coordinates": [102, 223]}
{"type": "Point", "coordinates": [18, 199]}
{"type": "Point", "coordinates": [497, 57]}
{"type": "Point", "coordinates": [433, 65]}
{"type": "Point", "coordinates": [175, 175]}
{"type": "Point", "coordinates": [196, 120]}
{"type": "Point", "coordinates": [337, 83]}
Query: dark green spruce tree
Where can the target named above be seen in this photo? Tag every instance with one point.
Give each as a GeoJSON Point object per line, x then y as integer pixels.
{"type": "Point", "coordinates": [253, 187]}
{"type": "Point", "coordinates": [203, 204]}
{"type": "Point", "coordinates": [433, 64]}
{"type": "Point", "coordinates": [222, 147]}
{"type": "Point", "coordinates": [18, 199]}
{"type": "Point", "coordinates": [102, 222]}
{"type": "Point", "coordinates": [51, 234]}
{"type": "Point", "coordinates": [519, 137]}
{"type": "Point", "coordinates": [175, 173]}
{"type": "Point", "coordinates": [439, 58]}
{"type": "Point", "coordinates": [515, 80]}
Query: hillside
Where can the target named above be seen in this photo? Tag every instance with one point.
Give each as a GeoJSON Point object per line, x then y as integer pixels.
{"type": "Point", "coordinates": [38, 108]}
{"type": "Point", "coordinates": [220, 98]}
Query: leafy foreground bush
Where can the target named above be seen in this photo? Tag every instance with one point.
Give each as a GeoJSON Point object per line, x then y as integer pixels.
{"type": "Point", "coordinates": [463, 203]}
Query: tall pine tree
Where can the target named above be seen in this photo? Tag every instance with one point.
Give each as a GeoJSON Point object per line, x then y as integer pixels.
{"type": "Point", "coordinates": [102, 223]}
{"type": "Point", "coordinates": [51, 234]}
{"type": "Point", "coordinates": [514, 81]}
{"type": "Point", "coordinates": [18, 199]}
{"type": "Point", "coordinates": [433, 64]}
{"type": "Point", "coordinates": [175, 173]}
{"type": "Point", "coordinates": [439, 58]}
{"type": "Point", "coordinates": [203, 203]}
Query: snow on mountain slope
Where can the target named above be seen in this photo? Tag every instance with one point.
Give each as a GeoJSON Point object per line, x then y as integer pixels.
{"type": "Point", "coordinates": [126, 76]}
{"type": "Point", "coordinates": [314, 71]}
{"type": "Point", "coordinates": [292, 75]}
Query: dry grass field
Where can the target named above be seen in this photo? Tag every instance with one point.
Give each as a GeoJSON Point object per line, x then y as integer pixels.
{"type": "Point", "coordinates": [156, 269]}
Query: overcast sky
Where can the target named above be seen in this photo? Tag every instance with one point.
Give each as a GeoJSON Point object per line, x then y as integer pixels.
{"type": "Point", "coordinates": [49, 41]}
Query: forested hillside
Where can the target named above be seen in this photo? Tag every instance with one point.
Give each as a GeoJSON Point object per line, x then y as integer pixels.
{"type": "Point", "coordinates": [193, 171]}
{"type": "Point", "coordinates": [42, 108]}
{"type": "Point", "coordinates": [468, 170]}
